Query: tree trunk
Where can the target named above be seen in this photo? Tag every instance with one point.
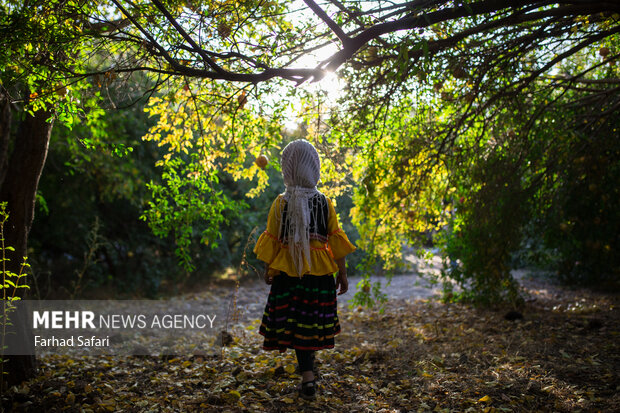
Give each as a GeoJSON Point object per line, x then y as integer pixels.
{"type": "Point", "coordinates": [18, 190]}
{"type": "Point", "coordinates": [5, 134]}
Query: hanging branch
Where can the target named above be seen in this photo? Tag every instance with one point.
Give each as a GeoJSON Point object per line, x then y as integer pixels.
{"type": "Point", "coordinates": [415, 15]}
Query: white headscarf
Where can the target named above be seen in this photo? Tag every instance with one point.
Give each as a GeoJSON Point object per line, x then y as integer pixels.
{"type": "Point", "coordinates": [301, 169]}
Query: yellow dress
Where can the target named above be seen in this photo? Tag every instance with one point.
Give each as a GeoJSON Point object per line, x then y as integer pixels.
{"type": "Point", "coordinates": [322, 255]}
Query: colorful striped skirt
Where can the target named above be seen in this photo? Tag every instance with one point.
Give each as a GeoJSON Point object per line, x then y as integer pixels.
{"type": "Point", "coordinates": [301, 313]}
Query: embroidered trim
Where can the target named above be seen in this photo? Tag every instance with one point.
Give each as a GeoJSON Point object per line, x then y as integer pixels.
{"type": "Point", "coordinates": [323, 248]}
{"type": "Point", "coordinates": [313, 236]}
{"type": "Point", "coordinates": [318, 237]}
{"type": "Point", "coordinates": [270, 235]}
{"type": "Point", "coordinates": [335, 232]}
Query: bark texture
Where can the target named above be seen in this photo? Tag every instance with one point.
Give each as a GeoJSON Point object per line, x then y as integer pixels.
{"type": "Point", "coordinates": [21, 176]}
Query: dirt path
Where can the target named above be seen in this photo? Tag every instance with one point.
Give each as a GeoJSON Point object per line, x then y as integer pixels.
{"type": "Point", "coordinates": [402, 289]}
{"type": "Point", "coordinates": [252, 294]}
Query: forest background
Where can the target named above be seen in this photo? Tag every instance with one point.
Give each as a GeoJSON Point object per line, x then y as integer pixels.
{"type": "Point", "coordinates": [493, 141]}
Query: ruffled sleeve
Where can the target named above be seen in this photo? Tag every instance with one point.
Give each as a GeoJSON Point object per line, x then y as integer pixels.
{"type": "Point", "coordinates": [337, 240]}
{"type": "Point", "coordinates": [268, 246]}
{"type": "Point", "coordinates": [269, 249]}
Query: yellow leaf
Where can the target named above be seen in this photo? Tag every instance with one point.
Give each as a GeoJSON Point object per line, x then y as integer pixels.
{"type": "Point", "coordinates": [485, 399]}
{"type": "Point", "coordinates": [288, 400]}
{"type": "Point", "coordinates": [187, 363]}
{"type": "Point", "coordinates": [290, 369]}
{"type": "Point", "coordinates": [108, 405]}
{"type": "Point", "coordinates": [232, 396]}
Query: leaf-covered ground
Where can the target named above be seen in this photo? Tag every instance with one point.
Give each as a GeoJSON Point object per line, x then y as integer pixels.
{"type": "Point", "coordinates": [563, 355]}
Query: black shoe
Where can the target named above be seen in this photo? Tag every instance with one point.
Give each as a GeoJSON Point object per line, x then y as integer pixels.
{"type": "Point", "coordinates": [308, 390]}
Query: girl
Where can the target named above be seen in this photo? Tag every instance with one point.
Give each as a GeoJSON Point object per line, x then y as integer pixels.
{"type": "Point", "coordinates": [302, 247]}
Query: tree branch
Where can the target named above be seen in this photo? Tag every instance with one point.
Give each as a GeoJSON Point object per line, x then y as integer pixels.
{"type": "Point", "coordinates": [514, 13]}
{"type": "Point", "coordinates": [330, 23]}
{"type": "Point", "coordinates": [142, 30]}
{"type": "Point", "coordinates": [609, 81]}
{"type": "Point", "coordinates": [187, 37]}
{"type": "Point", "coordinates": [299, 75]}
{"type": "Point", "coordinates": [108, 26]}
{"type": "Point", "coordinates": [524, 82]}
{"type": "Point", "coordinates": [412, 22]}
